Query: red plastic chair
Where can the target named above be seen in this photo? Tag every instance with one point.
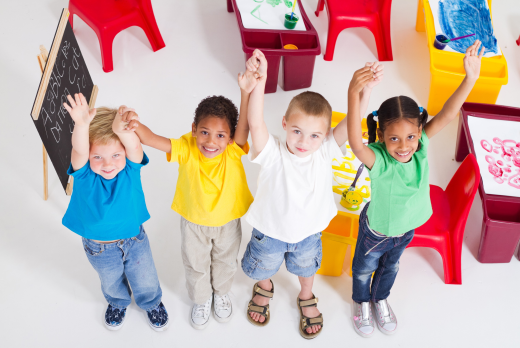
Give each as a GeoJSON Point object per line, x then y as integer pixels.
{"type": "Point", "coordinates": [109, 17]}
{"type": "Point", "coordinates": [444, 231]}
{"type": "Point", "coordinates": [371, 14]}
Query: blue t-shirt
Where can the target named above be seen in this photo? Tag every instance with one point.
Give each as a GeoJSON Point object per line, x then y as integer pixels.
{"type": "Point", "coordinates": [104, 210]}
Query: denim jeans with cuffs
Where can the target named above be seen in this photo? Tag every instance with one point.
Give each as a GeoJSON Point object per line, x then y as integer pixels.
{"type": "Point", "coordinates": [127, 262]}
{"type": "Point", "coordinates": [379, 254]}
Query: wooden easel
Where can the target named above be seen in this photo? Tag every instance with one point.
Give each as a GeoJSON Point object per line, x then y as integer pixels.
{"type": "Point", "coordinates": [42, 60]}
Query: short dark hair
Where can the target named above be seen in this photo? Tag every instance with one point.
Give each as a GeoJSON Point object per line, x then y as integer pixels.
{"type": "Point", "coordinates": [217, 106]}
{"type": "Point", "coordinates": [393, 110]}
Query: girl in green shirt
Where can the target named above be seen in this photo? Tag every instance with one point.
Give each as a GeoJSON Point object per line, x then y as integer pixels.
{"type": "Point", "coordinates": [398, 167]}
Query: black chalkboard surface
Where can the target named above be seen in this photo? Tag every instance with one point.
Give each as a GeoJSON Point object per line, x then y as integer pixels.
{"type": "Point", "coordinates": [65, 73]}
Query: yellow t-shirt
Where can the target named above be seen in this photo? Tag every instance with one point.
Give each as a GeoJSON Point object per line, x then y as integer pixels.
{"type": "Point", "coordinates": [210, 191]}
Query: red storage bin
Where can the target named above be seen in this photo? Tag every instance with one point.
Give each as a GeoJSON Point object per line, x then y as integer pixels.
{"type": "Point", "coordinates": [501, 220]}
{"type": "Point", "coordinates": [298, 65]}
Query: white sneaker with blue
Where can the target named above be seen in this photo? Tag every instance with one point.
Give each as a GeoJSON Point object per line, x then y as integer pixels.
{"type": "Point", "coordinates": [199, 316]}
{"type": "Point", "coordinates": [158, 318]}
{"type": "Point", "coordinates": [222, 308]}
{"type": "Point", "coordinates": [114, 318]}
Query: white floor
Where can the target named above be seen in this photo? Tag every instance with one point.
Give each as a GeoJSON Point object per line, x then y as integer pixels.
{"type": "Point", "coordinates": [50, 295]}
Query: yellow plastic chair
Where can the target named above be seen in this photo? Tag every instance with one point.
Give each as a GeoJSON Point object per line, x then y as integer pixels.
{"type": "Point", "coordinates": [447, 69]}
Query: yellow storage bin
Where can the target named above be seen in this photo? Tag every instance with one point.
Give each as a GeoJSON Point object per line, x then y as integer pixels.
{"type": "Point", "coordinates": [341, 232]}
{"type": "Point", "coordinates": [447, 69]}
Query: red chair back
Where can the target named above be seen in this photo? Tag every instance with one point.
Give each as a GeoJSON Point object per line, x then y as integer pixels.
{"type": "Point", "coordinates": [461, 191]}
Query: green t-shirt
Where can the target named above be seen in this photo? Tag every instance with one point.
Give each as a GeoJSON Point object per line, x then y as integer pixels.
{"type": "Point", "coordinates": [400, 191]}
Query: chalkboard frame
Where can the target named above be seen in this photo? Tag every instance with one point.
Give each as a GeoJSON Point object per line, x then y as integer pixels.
{"type": "Point", "coordinates": [59, 152]}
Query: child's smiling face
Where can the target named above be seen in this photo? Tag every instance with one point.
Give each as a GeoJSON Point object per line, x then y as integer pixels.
{"type": "Point", "coordinates": [305, 133]}
{"type": "Point", "coordinates": [107, 160]}
{"type": "Point", "coordinates": [401, 139]}
{"type": "Point", "coordinates": [213, 136]}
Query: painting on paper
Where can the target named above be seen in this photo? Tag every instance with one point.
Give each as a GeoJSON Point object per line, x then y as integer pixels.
{"type": "Point", "coordinates": [455, 18]}
{"type": "Point", "coordinates": [268, 14]}
{"type": "Point", "coordinates": [344, 171]}
{"type": "Point", "coordinates": [497, 148]}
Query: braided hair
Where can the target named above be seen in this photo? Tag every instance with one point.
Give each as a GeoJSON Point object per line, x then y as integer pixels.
{"type": "Point", "coordinates": [392, 110]}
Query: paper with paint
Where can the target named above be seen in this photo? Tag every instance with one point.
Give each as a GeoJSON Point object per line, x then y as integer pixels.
{"type": "Point", "coordinates": [497, 148]}
{"type": "Point", "coordinates": [344, 171]}
{"type": "Point", "coordinates": [268, 14]}
{"type": "Point", "coordinates": [454, 18]}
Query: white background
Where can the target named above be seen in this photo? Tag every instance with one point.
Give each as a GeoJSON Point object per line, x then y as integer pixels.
{"type": "Point", "coordinates": [50, 295]}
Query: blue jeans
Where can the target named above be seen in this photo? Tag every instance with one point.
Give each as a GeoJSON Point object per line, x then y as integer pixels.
{"type": "Point", "coordinates": [383, 259]}
{"type": "Point", "coordinates": [127, 262]}
{"type": "Point", "coordinates": [264, 256]}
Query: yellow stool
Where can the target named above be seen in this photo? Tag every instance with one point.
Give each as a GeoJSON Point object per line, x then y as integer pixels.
{"type": "Point", "coordinates": [341, 232]}
{"type": "Point", "coordinates": [447, 69]}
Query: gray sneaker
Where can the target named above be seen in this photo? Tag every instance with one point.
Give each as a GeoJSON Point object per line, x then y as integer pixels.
{"type": "Point", "coordinates": [363, 319]}
{"type": "Point", "coordinates": [385, 317]}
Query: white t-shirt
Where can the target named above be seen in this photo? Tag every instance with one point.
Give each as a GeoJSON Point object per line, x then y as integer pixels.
{"type": "Point", "coordinates": [294, 199]}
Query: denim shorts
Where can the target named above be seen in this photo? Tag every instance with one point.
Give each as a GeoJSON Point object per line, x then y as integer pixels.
{"type": "Point", "coordinates": [264, 256]}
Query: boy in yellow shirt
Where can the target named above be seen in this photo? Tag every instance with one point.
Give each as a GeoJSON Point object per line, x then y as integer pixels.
{"type": "Point", "coordinates": [211, 197]}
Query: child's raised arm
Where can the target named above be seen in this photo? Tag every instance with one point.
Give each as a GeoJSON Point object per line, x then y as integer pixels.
{"type": "Point", "coordinates": [247, 82]}
{"type": "Point", "coordinates": [341, 130]}
{"type": "Point", "coordinates": [151, 139]}
{"type": "Point", "coordinates": [255, 113]}
{"type": "Point", "coordinates": [360, 79]}
{"type": "Point", "coordinates": [82, 116]}
{"type": "Point", "coordinates": [451, 108]}
{"type": "Point", "coordinates": [125, 132]}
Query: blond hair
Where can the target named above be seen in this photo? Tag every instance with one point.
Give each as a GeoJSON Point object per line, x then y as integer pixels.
{"type": "Point", "coordinates": [312, 104]}
{"type": "Point", "coordinates": [100, 130]}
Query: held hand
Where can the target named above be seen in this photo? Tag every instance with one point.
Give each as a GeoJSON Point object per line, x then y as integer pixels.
{"type": "Point", "coordinates": [377, 69]}
{"type": "Point", "coordinates": [360, 80]}
{"type": "Point", "coordinates": [258, 64]}
{"type": "Point", "coordinates": [473, 59]}
{"type": "Point", "coordinates": [247, 81]}
{"type": "Point", "coordinates": [125, 120]}
{"type": "Point", "coordinates": [79, 111]}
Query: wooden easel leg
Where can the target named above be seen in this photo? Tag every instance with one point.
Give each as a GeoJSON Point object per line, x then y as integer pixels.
{"type": "Point", "coordinates": [45, 175]}
{"type": "Point", "coordinates": [70, 185]}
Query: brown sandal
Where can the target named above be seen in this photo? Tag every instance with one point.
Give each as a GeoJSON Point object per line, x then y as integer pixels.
{"type": "Point", "coordinates": [262, 310]}
{"type": "Point", "coordinates": [305, 322]}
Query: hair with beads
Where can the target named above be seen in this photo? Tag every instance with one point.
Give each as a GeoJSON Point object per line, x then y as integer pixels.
{"type": "Point", "coordinates": [392, 110]}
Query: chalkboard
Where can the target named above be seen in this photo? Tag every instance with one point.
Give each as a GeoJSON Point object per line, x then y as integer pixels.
{"type": "Point", "coordinates": [65, 73]}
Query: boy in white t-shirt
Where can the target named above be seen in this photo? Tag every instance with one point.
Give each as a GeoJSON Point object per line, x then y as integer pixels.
{"type": "Point", "coordinates": [294, 201]}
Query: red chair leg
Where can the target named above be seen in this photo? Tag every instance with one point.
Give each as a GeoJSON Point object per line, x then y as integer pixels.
{"type": "Point", "coordinates": [229, 6]}
{"type": "Point", "coordinates": [321, 6]}
{"type": "Point", "coordinates": [448, 263]}
{"type": "Point", "coordinates": [151, 29]}
{"type": "Point", "coordinates": [383, 52]}
{"type": "Point", "coordinates": [105, 43]}
{"type": "Point", "coordinates": [72, 12]}
{"type": "Point", "coordinates": [332, 37]}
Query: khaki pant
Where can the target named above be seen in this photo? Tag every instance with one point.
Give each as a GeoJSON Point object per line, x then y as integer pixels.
{"type": "Point", "coordinates": [209, 255]}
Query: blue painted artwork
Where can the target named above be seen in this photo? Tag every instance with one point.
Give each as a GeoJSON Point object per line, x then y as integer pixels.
{"type": "Point", "coordinates": [464, 17]}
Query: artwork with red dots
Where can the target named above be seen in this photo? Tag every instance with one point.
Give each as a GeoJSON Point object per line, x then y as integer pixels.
{"type": "Point", "coordinates": [497, 148]}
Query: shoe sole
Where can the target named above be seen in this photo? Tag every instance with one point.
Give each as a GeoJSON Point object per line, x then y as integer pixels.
{"type": "Point", "coordinates": [360, 333]}
{"type": "Point", "coordinates": [155, 328]}
{"type": "Point", "coordinates": [115, 328]}
{"type": "Point", "coordinates": [386, 332]}
{"type": "Point", "coordinates": [222, 320]}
